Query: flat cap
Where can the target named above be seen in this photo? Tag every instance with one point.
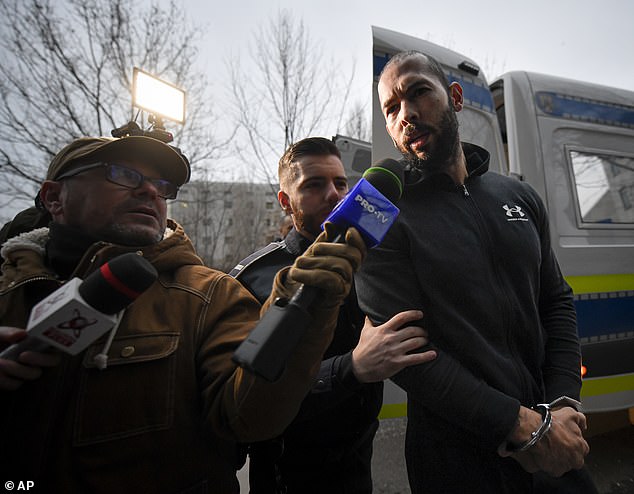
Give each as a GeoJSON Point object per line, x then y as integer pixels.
{"type": "Point", "coordinates": [168, 161]}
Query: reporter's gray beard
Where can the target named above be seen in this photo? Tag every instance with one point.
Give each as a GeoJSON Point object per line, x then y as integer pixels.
{"type": "Point", "coordinates": [129, 236]}
{"type": "Point", "coordinates": [445, 150]}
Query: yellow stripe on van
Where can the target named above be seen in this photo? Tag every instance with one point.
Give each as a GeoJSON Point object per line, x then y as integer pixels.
{"type": "Point", "coordinates": [601, 283]}
{"type": "Point", "coordinates": [393, 411]}
{"type": "Point", "coordinates": [607, 385]}
{"type": "Point", "coordinates": [591, 387]}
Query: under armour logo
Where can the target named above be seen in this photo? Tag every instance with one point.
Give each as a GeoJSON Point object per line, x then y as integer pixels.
{"type": "Point", "coordinates": [515, 213]}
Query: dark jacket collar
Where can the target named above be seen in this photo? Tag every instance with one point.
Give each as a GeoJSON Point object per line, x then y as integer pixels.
{"type": "Point", "coordinates": [296, 243]}
{"type": "Point", "coordinates": [65, 248]}
{"type": "Point", "coordinates": [477, 164]}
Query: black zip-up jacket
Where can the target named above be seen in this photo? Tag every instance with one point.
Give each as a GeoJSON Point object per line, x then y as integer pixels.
{"type": "Point", "coordinates": [328, 447]}
{"type": "Point", "coordinates": [477, 260]}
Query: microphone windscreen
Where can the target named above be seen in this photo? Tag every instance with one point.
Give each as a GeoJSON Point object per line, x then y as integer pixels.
{"type": "Point", "coordinates": [118, 282]}
{"type": "Point", "coordinates": [387, 177]}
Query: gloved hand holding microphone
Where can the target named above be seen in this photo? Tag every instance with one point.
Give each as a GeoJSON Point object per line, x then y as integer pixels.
{"type": "Point", "coordinates": [326, 266]}
{"type": "Point", "coordinates": [308, 293]}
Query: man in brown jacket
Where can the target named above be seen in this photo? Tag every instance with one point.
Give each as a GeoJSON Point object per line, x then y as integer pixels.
{"type": "Point", "coordinates": [167, 411]}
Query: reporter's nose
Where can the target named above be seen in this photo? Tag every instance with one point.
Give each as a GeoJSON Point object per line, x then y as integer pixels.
{"type": "Point", "coordinates": [148, 189]}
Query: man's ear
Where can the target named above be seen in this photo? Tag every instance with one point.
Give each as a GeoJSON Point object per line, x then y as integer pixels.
{"type": "Point", "coordinates": [455, 90]}
{"type": "Point", "coordinates": [51, 197]}
{"type": "Point", "coordinates": [285, 202]}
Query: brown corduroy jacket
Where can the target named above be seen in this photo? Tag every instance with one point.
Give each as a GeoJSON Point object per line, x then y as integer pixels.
{"type": "Point", "coordinates": [167, 412]}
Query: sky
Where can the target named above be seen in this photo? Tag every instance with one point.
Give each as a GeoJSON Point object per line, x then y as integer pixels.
{"type": "Point", "coordinates": [587, 40]}
{"type": "Point", "coordinates": [583, 39]}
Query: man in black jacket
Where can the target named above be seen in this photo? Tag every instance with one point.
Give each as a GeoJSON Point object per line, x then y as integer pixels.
{"type": "Point", "coordinates": [328, 447]}
{"type": "Point", "coordinates": [472, 250]}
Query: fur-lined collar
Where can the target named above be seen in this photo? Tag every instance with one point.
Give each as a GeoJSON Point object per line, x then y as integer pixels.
{"type": "Point", "coordinates": [33, 240]}
{"type": "Point", "coordinates": [36, 240]}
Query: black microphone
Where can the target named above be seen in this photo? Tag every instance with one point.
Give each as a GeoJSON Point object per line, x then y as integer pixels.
{"type": "Point", "coordinates": [369, 208]}
{"type": "Point", "coordinates": [79, 312]}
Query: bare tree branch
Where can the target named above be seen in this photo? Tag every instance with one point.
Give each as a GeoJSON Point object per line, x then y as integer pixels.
{"type": "Point", "coordinates": [287, 92]}
{"type": "Point", "coordinates": [359, 124]}
{"type": "Point", "coordinates": [66, 72]}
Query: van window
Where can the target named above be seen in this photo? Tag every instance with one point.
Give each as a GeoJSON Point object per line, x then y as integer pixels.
{"type": "Point", "coordinates": [604, 187]}
{"type": "Point", "coordinates": [362, 159]}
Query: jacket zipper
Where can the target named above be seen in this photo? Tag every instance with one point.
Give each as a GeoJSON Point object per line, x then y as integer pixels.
{"type": "Point", "coordinates": [506, 309]}
{"type": "Point", "coordinates": [13, 285]}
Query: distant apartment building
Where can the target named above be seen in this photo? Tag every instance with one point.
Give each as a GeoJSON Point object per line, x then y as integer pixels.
{"type": "Point", "coordinates": [227, 221]}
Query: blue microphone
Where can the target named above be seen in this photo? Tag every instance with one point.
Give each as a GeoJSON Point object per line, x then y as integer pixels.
{"type": "Point", "coordinates": [369, 208]}
{"type": "Point", "coordinates": [369, 205]}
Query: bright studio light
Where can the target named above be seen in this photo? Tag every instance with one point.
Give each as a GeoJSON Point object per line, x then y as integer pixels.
{"type": "Point", "coordinates": [157, 97]}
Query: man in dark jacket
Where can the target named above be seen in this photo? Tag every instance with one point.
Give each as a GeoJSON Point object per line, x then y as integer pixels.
{"type": "Point", "coordinates": [472, 250]}
{"type": "Point", "coordinates": [328, 447]}
{"type": "Point", "coordinates": [166, 411]}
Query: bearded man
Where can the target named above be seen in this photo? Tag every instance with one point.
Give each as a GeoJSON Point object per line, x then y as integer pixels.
{"type": "Point", "coordinates": [495, 411]}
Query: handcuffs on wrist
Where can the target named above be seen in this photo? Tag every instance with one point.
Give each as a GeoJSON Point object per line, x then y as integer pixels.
{"type": "Point", "coordinates": [547, 420]}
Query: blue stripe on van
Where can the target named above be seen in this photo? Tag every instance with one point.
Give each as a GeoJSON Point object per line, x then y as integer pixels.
{"type": "Point", "coordinates": [475, 96]}
{"type": "Point", "coordinates": [378, 62]}
{"type": "Point", "coordinates": [602, 316]}
{"type": "Point", "coordinates": [559, 105]}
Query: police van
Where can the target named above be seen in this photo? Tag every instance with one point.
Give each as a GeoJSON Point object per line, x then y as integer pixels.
{"type": "Point", "coordinates": [574, 143]}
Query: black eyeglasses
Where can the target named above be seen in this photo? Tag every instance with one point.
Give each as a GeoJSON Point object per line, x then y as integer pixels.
{"type": "Point", "coordinates": [127, 177]}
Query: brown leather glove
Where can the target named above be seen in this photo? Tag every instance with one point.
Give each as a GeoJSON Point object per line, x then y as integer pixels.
{"type": "Point", "coordinates": [327, 266]}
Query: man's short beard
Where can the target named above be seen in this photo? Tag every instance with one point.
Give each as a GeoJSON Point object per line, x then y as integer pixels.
{"type": "Point", "coordinates": [303, 225]}
{"type": "Point", "coordinates": [444, 151]}
{"type": "Point", "coordinates": [128, 235]}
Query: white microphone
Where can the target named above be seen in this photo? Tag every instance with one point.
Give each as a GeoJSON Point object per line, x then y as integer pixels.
{"type": "Point", "coordinates": [79, 312]}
